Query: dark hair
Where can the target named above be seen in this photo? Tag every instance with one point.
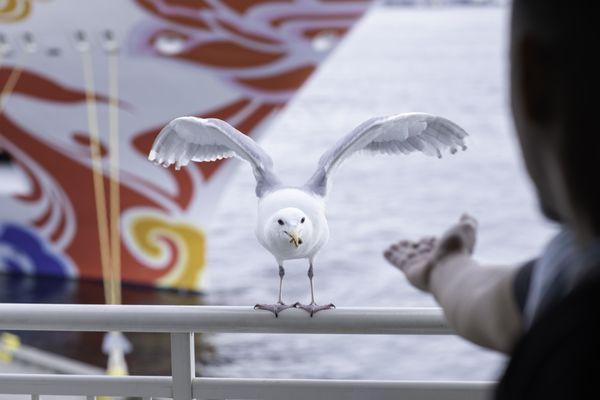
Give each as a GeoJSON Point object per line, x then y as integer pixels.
{"type": "Point", "coordinates": [569, 30]}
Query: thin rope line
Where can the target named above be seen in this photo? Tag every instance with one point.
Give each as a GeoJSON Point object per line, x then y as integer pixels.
{"type": "Point", "coordinates": [10, 84]}
{"type": "Point", "coordinates": [115, 195]}
{"type": "Point", "coordinates": [101, 214]}
{"type": "Point", "coordinates": [116, 354]}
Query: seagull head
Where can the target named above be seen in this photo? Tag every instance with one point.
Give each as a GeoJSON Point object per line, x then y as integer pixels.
{"type": "Point", "coordinates": [290, 225]}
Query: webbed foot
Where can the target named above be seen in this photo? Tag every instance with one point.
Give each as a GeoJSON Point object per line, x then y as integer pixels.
{"type": "Point", "coordinates": [313, 308]}
{"type": "Point", "coordinates": [274, 308]}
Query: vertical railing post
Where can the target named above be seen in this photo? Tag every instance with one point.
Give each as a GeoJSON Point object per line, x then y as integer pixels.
{"type": "Point", "coordinates": [183, 365]}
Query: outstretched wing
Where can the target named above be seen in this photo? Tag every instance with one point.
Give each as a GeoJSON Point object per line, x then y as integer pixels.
{"type": "Point", "coordinates": [188, 139]}
{"type": "Point", "coordinates": [403, 133]}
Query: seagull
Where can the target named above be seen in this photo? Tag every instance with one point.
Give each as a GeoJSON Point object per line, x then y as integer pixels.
{"type": "Point", "coordinates": [291, 221]}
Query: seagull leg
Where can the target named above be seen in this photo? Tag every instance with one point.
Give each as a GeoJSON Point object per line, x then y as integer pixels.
{"type": "Point", "coordinates": [280, 305]}
{"type": "Point", "coordinates": [313, 307]}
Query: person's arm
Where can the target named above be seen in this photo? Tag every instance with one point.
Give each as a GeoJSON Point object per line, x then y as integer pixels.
{"type": "Point", "coordinates": [478, 301]}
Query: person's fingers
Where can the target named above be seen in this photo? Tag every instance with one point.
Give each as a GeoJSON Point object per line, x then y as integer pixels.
{"type": "Point", "coordinates": [395, 258]}
{"type": "Point", "coordinates": [412, 257]}
{"type": "Point", "coordinates": [416, 263]}
{"type": "Point", "coordinates": [401, 244]}
{"type": "Point", "coordinates": [409, 250]}
{"type": "Point", "coordinates": [425, 245]}
{"type": "Point", "coordinates": [400, 259]}
{"type": "Point", "coordinates": [469, 220]}
{"type": "Point", "coordinates": [413, 261]}
{"type": "Point", "coordinates": [426, 249]}
{"type": "Point", "coordinates": [429, 239]}
{"type": "Point", "coordinates": [468, 231]}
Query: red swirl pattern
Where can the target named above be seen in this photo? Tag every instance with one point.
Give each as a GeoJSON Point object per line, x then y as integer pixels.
{"type": "Point", "coordinates": [261, 50]}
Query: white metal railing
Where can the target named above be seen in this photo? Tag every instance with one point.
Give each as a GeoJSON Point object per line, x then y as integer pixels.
{"type": "Point", "coordinates": [182, 321]}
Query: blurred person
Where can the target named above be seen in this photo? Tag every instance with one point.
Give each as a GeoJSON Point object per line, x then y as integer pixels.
{"type": "Point", "coordinates": [544, 314]}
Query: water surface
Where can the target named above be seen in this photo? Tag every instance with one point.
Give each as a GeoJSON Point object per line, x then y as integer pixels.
{"type": "Point", "coordinates": [445, 61]}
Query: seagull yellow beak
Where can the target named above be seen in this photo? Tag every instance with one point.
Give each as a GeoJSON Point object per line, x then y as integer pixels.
{"type": "Point", "coordinates": [294, 238]}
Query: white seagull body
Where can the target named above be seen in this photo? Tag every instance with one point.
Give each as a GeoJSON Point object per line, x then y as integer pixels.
{"type": "Point", "coordinates": [291, 222]}
{"type": "Point", "coordinates": [314, 231]}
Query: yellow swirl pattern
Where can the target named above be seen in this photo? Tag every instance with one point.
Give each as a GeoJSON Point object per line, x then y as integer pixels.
{"type": "Point", "coordinates": [147, 232]}
{"type": "Point", "coordinates": [14, 10]}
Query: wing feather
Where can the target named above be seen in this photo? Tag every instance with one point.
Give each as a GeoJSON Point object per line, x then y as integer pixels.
{"type": "Point", "coordinates": [188, 139]}
{"type": "Point", "coordinates": [403, 133]}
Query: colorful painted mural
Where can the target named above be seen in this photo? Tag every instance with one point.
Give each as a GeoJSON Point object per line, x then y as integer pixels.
{"type": "Point", "coordinates": [238, 60]}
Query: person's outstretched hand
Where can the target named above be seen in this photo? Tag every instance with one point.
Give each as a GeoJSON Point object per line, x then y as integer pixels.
{"type": "Point", "coordinates": [417, 259]}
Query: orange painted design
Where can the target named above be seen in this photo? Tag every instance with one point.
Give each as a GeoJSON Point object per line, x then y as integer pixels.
{"type": "Point", "coordinates": [227, 54]}
{"type": "Point", "coordinates": [187, 20]}
{"type": "Point", "coordinates": [14, 10]}
{"type": "Point", "coordinates": [83, 139]}
{"type": "Point", "coordinates": [60, 228]}
{"type": "Point", "coordinates": [185, 243]}
{"type": "Point", "coordinates": [192, 4]}
{"type": "Point", "coordinates": [76, 181]}
{"type": "Point", "coordinates": [246, 34]}
{"type": "Point", "coordinates": [241, 6]}
{"type": "Point", "coordinates": [224, 45]}
{"type": "Point", "coordinates": [250, 122]}
{"type": "Point", "coordinates": [47, 214]}
{"type": "Point", "coordinates": [36, 192]}
{"type": "Point", "coordinates": [40, 87]}
{"type": "Point", "coordinates": [289, 80]}
{"type": "Point", "coordinates": [312, 33]}
{"type": "Point", "coordinates": [41, 221]}
{"type": "Point", "coordinates": [143, 144]}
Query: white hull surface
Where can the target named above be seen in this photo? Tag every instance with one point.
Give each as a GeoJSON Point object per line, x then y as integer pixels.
{"type": "Point", "coordinates": [125, 68]}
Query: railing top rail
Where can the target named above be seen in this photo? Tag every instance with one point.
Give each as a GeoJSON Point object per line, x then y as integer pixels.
{"type": "Point", "coordinates": [328, 389]}
{"type": "Point", "coordinates": [86, 385]}
{"type": "Point", "coordinates": [153, 318]}
{"type": "Point", "coordinates": [216, 388]}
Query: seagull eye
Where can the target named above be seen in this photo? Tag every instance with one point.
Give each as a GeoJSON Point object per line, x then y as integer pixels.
{"type": "Point", "coordinates": [280, 222]}
{"type": "Point", "coordinates": [302, 220]}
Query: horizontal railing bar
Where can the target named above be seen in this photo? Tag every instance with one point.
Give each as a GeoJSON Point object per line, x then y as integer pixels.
{"type": "Point", "coordinates": [329, 389]}
{"type": "Point", "coordinates": [86, 385]}
{"type": "Point", "coordinates": [301, 389]}
{"type": "Point", "coordinates": [146, 318]}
